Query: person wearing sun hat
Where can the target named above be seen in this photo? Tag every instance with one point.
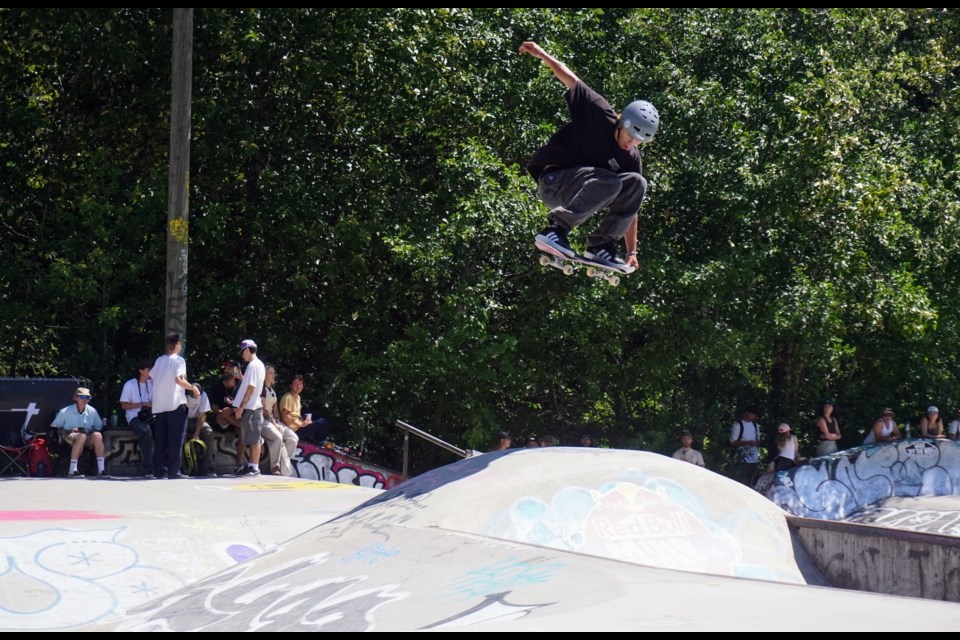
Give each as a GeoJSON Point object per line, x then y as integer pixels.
{"type": "Point", "coordinates": [82, 428]}
{"type": "Point", "coordinates": [884, 429]}
{"type": "Point", "coordinates": [931, 424]}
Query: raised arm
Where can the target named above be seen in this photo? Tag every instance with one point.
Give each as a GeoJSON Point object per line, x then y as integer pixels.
{"type": "Point", "coordinates": [562, 71]}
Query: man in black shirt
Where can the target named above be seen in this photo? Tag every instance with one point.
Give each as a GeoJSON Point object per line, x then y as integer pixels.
{"type": "Point", "coordinates": [589, 164]}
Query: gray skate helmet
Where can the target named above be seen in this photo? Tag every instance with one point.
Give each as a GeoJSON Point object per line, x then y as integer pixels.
{"type": "Point", "coordinates": [641, 119]}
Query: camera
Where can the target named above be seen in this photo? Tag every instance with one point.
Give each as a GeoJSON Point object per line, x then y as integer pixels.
{"type": "Point", "coordinates": [145, 414]}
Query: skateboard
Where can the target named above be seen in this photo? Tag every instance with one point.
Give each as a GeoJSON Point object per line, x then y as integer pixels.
{"type": "Point", "coordinates": [552, 258]}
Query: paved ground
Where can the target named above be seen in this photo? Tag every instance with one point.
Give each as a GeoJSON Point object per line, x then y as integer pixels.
{"type": "Point", "coordinates": [556, 539]}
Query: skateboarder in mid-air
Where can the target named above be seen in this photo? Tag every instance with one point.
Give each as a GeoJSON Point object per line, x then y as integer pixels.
{"type": "Point", "coordinates": [589, 164]}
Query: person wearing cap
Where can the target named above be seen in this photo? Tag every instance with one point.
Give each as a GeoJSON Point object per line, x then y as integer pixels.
{"type": "Point", "coordinates": [248, 407]}
{"type": "Point", "coordinates": [169, 375]}
{"type": "Point", "coordinates": [686, 452]}
{"type": "Point", "coordinates": [81, 426]}
{"type": "Point", "coordinates": [828, 429]}
{"type": "Point", "coordinates": [884, 429]}
{"type": "Point", "coordinates": [533, 443]}
{"type": "Point", "coordinates": [745, 438]}
{"type": "Point", "coordinates": [136, 399]}
{"type": "Point", "coordinates": [221, 397]}
{"type": "Point", "coordinates": [788, 449]}
{"type": "Point", "coordinates": [931, 424]}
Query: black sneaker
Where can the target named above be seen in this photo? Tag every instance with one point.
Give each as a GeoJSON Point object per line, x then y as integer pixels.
{"type": "Point", "coordinates": [553, 239]}
{"type": "Point", "coordinates": [75, 474]}
{"type": "Point", "coordinates": [606, 255]}
{"type": "Point", "coordinates": [102, 474]}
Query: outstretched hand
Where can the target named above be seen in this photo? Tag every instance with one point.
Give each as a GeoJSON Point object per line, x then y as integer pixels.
{"type": "Point", "coordinates": [532, 48]}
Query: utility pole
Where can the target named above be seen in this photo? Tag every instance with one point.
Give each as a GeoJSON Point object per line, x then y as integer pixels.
{"type": "Point", "coordinates": [178, 183]}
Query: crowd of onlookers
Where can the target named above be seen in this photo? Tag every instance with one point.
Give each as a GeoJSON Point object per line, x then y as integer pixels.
{"type": "Point", "coordinates": [746, 438]}
{"type": "Point", "coordinates": [175, 420]}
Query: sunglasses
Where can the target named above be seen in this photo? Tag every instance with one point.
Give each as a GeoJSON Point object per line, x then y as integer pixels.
{"type": "Point", "coordinates": [83, 397]}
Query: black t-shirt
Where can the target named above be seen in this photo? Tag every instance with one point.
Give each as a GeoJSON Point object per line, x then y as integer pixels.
{"type": "Point", "coordinates": [588, 140]}
{"type": "Point", "coordinates": [220, 396]}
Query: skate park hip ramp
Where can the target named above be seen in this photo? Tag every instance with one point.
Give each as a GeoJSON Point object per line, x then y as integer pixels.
{"type": "Point", "coordinates": [552, 539]}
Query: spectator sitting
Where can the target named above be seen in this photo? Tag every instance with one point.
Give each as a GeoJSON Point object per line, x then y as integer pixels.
{"type": "Point", "coordinates": [281, 440]}
{"type": "Point", "coordinates": [931, 424]}
{"type": "Point", "coordinates": [686, 452]}
{"type": "Point", "coordinates": [221, 403]}
{"type": "Point", "coordinates": [884, 429]}
{"type": "Point", "coordinates": [788, 449]}
{"type": "Point", "coordinates": [82, 427]}
{"type": "Point", "coordinates": [197, 410]}
{"type": "Point", "coordinates": [533, 443]}
{"type": "Point", "coordinates": [305, 427]}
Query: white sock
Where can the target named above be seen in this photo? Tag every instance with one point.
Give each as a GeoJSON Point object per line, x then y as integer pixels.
{"type": "Point", "coordinates": [99, 464]}
{"type": "Point", "coordinates": [73, 466]}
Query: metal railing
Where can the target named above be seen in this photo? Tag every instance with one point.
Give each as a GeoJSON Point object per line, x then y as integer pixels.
{"type": "Point", "coordinates": [409, 428]}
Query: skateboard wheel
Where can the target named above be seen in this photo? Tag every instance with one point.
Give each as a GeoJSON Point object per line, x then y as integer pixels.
{"type": "Point", "coordinates": [568, 269]}
{"type": "Point", "coordinates": [614, 281]}
{"type": "Point", "coordinates": [544, 260]}
{"type": "Point", "coordinates": [591, 272]}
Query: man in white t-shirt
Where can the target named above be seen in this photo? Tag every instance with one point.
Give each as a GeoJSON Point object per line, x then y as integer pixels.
{"type": "Point", "coordinates": [169, 375]}
{"type": "Point", "coordinates": [686, 452]}
{"type": "Point", "coordinates": [136, 401]}
{"type": "Point", "coordinates": [249, 407]}
{"type": "Point", "coordinates": [745, 437]}
{"type": "Point", "coordinates": [953, 431]}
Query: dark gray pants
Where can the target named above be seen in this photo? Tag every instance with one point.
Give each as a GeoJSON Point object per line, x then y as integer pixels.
{"type": "Point", "coordinates": [144, 441]}
{"type": "Point", "coordinates": [573, 195]}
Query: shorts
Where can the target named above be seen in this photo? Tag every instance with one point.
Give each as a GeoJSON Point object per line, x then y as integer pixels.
{"type": "Point", "coordinates": [250, 424]}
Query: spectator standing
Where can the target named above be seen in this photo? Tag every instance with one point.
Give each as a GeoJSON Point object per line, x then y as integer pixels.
{"type": "Point", "coordinates": [586, 440]}
{"type": "Point", "coordinates": [884, 429]}
{"type": "Point", "coordinates": [788, 449]}
{"type": "Point", "coordinates": [745, 438]}
{"type": "Point", "coordinates": [248, 408]}
{"type": "Point", "coordinates": [136, 399]}
{"type": "Point", "coordinates": [828, 429]}
{"type": "Point", "coordinates": [931, 424]}
{"type": "Point", "coordinates": [686, 452]}
{"type": "Point", "coordinates": [954, 431]}
{"type": "Point", "coordinates": [503, 441]}
{"type": "Point", "coordinates": [82, 427]}
{"type": "Point", "coordinates": [169, 375]}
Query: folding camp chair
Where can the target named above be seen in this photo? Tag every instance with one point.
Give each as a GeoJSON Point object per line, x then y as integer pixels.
{"type": "Point", "coordinates": [13, 450]}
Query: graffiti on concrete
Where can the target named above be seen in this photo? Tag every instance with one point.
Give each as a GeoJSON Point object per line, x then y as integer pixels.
{"type": "Point", "coordinates": [317, 463]}
{"type": "Point", "coordinates": [77, 576]}
{"type": "Point", "coordinates": [837, 486]}
{"type": "Point", "coordinates": [299, 595]}
{"type": "Point", "coordinates": [925, 520]}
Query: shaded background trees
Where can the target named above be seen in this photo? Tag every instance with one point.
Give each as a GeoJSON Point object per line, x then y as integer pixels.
{"type": "Point", "coordinates": [360, 207]}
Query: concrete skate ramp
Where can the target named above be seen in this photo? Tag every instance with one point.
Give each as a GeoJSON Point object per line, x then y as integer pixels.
{"type": "Point", "coordinates": [555, 539]}
{"type": "Point", "coordinates": [837, 486]}
{"type": "Point", "coordinates": [75, 552]}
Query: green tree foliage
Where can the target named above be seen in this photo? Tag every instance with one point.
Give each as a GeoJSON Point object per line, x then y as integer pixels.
{"type": "Point", "coordinates": [360, 206]}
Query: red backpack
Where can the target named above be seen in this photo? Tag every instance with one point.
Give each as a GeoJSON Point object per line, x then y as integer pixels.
{"type": "Point", "coordinates": [39, 460]}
